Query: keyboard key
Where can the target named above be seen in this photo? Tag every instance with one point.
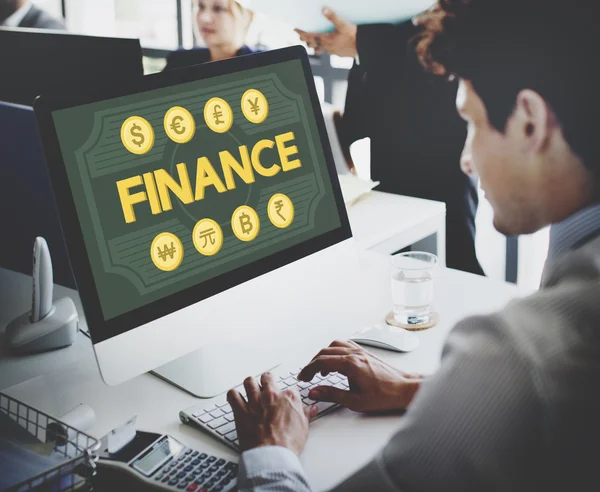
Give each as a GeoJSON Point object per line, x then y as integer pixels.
{"type": "Point", "coordinates": [217, 422]}
{"type": "Point", "coordinates": [232, 436]}
{"type": "Point", "coordinates": [230, 417]}
{"type": "Point", "coordinates": [324, 405]}
{"type": "Point", "coordinates": [303, 385]}
{"type": "Point", "coordinates": [217, 413]}
{"type": "Point", "coordinates": [236, 442]}
{"type": "Point", "coordinates": [226, 429]}
{"type": "Point", "coordinates": [207, 417]}
{"type": "Point", "coordinates": [210, 408]}
{"type": "Point", "coordinates": [227, 408]}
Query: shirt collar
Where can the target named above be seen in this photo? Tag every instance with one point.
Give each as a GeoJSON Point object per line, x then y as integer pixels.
{"type": "Point", "coordinates": [574, 231]}
{"type": "Point", "coordinates": [16, 17]}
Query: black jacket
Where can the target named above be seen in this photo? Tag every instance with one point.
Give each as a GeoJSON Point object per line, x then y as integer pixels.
{"type": "Point", "coordinates": [416, 134]}
{"type": "Point", "coordinates": [196, 56]}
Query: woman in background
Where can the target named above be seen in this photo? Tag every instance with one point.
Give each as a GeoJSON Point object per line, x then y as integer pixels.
{"type": "Point", "coordinates": [223, 25]}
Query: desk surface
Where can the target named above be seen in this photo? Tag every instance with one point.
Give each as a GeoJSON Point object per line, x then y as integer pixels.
{"type": "Point", "coordinates": [75, 379]}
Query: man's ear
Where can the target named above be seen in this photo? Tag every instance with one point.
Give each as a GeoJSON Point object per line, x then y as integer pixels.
{"type": "Point", "coordinates": [533, 121]}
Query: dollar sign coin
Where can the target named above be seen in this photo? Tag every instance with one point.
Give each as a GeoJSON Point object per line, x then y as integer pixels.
{"type": "Point", "coordinates": [218, 115]}
{"type": "Point", "coordinates": [280, 210]}
{"type": "Point", "coordinates": [208, 237]}
{"type": "Point", "coordinates": [245, 223]}
{"type": "Point", "coordinates": [179, 125]}
{"type": "Point", "coordinates": [137, 135]}
{"type": "Point", "coordinates": [255, 106]}
{"type": "Point", "coordinates": [166, 252]}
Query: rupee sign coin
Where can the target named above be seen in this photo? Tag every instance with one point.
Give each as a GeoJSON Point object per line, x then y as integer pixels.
{"type": "Point", "coordinates": [255, 106]}
{"type": "Point", "coordinates": [218, 115]}
{"type": "Point", "coordinates": [179, 125]}
{"type": "Point", "coordinates": [166, 252]}
{"type": "Point", "coordinates": [208, 237]}
{"type": "Point", "coordinates": [137, 135]}
{"type": "Point", "coordinates": [280, 210]}
{"type": "Point", "coordinates": [245, 223]}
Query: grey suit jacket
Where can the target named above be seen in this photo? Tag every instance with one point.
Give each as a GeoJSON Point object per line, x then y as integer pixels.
{"type": "Point", "coordinates": [515, 405]}
{"type": "Point", "coordinates": [39, 19]}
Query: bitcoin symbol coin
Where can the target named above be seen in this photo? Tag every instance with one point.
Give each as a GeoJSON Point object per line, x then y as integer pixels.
{"type": "Point", "coordinates": [166, 252]}
{"type": "Point", "coordinates": [179, 125]}
{"type": "Point", "coordinates": [137, 135]}
{"type": "Point", "coordinates": [218, 115]}
{"type": "Point", "coordinates": [208, 237]}
{"type": "Point", "coordinates": [245, 223]}
{"type": "Point", "coordinates": [280, 210]}
{"type": "Point", "coordinates": [255, 106]}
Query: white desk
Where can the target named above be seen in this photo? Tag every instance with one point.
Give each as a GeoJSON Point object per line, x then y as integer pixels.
{"type": "Point", "coordinates": [386, 223]}
{"type": "Point", "coordinates": [157, 403]}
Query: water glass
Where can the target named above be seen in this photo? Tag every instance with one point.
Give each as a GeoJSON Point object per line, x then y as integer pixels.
{"type": "Point", "coordinates": [412, 289]}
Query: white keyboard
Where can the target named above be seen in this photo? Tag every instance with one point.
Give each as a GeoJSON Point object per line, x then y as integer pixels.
{"type": "Point", "coordinates": [216, 417]}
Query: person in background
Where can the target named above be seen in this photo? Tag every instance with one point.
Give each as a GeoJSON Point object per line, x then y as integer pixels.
{"type": "Point", "coordinates": [514, 405]}
{"type": "Point", "coordinates": [23, 13]}
{"type": "Point", "coordinates": [409, 115]}
{"type": "Point", "coordinates": [223, 25]}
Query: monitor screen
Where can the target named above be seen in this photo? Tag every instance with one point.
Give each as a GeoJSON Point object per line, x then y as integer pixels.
{"type": "Point", "coordinates": [187, 189]}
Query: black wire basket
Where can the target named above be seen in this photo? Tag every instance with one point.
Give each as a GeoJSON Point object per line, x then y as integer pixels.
{"type": "Point", "coordinates": [72, 449]}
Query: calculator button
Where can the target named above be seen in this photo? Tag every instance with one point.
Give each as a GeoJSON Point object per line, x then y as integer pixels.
{"type": "Point", "coordinates": [218, 488]}
{"type": "Point", "coordinates": [187, 460]}
{"type": "Point", "coordinates": [221, 462]}
{"type": "Point", "coordinates": [188, 451]}
{"type": "Point", "coordinates": [182, 485]}
{"type": "Point", "coordinates": [195, 462]}
{"type": "Point", "coordinates": [194, 454]}
{"type": "Point", "coordinates": [165, 479]}
{"type": "Point", "coordinates": [212, 459]}
{"type": "Point", "coordinates": [192, 488]}
{"type": "Point", "coordinates": [174, 482]}
{"type": "Point", "coordinates": [206, 464]}
{"type": "Point", "coordinates": [203, 456]}
{"type": "Point", "coordinates": [213, 468]}
{"type": "Point", "coordinates": [231, 466]}
{"type": "Point", "coordinates": [188, 469]}
{"type": "Point", "coordinates": [181, 475]}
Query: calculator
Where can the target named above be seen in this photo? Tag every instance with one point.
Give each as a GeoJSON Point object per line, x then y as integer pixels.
{"type": "Point", "coordinates": [160, 462]}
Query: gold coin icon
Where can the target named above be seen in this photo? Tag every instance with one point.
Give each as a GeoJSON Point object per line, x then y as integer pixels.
{"type": "Point", "coordinates": [208, 237]}
{"type": "Point", "coordinates": [137, 135]}
{"type": "Point", "coordinates": [179, 125]}
{"type": "Point", "coordinates": [255, 106]}
{"type": "Point", "coordinates": [218, 115]}
{"type": "Point", "coordinates": [280, 210]}
{"type": "Point", "coordinates": [166, 252]}
{"type": "Point", "coordinates": [245, 223]}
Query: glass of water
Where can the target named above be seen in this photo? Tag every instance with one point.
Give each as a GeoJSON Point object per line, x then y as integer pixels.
{"type": "Point", "coordinates": [412, 289]}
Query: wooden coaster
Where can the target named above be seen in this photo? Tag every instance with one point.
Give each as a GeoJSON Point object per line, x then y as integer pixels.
{"type": "Point", "coordinates": [391, 320]}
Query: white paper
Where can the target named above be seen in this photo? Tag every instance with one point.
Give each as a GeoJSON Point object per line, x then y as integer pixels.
{"type": "Point", "coordinates": [306, 14]}
{"type": "Point", "coordinates": [121, 436]}
{"type": "Point", "coordinates": [354, 187]}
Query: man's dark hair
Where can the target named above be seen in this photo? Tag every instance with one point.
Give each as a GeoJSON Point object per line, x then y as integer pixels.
{"type": "Point", "coordinates": [505, 46]}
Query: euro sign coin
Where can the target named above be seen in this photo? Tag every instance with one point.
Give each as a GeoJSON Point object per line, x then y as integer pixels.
{"type": "Point", "coordinates": [208, 237]}
{"type": "Point", "coordinates": [179, 125]}
{"type": "Point", "coordinates": [218, 115]}
{"type": "Point", "coordinates": [245, 223]}
{"type": "Point", "coordinates": [166, 252]}
{"type": "Point", "coordinates": [280, 210]}
{"type": "Point", "coordinates": [137, 135]}
{"type": "Point", "coordinates": [255, 106]}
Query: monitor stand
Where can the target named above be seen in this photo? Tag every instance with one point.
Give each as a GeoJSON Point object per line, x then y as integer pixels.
{"type": "Point", "coordinates": [214, 369]}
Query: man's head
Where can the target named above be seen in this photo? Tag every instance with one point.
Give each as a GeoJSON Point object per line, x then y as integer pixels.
{"type": "Point", "coordinates": [528, 91]}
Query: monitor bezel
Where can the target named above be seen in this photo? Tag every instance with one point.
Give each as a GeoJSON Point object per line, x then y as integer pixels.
{"type": "Point", "coordinates": [102, 329]}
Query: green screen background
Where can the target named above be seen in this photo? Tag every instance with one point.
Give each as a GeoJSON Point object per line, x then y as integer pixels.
{"type": "Point", "coordinates": [95, 159]}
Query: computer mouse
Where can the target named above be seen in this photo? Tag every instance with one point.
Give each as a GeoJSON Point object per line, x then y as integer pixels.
{"type": "Point", "coordinates": [387, 337]}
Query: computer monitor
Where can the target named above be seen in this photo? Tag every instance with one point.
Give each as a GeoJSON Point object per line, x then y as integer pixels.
{"type": "Point", "coordinates": [196, 204]}
{"type": "Point", "coordinates": [26, 200]}
{"type": "Point", "coordinates": [37, 61]}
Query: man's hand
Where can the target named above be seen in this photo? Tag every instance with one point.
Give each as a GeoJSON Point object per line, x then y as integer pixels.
{"type": "Point", "coordinates": [374, 385]}
{"type": "Point", "coordinates": [341, 42]}
{"type": "Point", "coordinates": [270, 417]}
